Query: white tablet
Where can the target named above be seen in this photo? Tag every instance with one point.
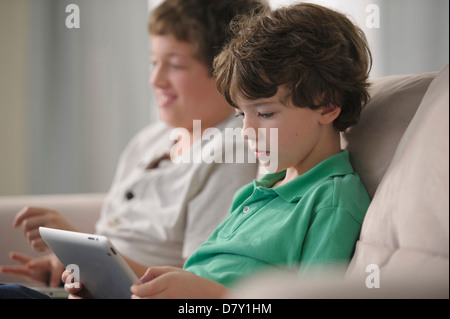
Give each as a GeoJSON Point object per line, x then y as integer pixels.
{"type": "Point", "coordinates": [94, 262]}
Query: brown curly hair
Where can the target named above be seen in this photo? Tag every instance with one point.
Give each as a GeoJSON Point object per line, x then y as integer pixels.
{"type": "Point", "coordinates": [318, 53]}
{"type": "Point", "coordinates": [203, 23]}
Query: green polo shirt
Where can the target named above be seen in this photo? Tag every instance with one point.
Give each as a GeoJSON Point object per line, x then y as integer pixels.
{"type": "Point", "coordinates": [312, 220]}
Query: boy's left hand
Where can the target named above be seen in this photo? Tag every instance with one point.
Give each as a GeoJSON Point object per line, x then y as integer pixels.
{"type": "Point", "coordinates": [75, 289]}
{"type": "Point", "coordinates": [175, 283]}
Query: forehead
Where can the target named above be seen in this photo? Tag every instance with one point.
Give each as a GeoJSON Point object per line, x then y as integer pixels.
{"type": "Point", "coordinates": [279, 98]}
{"type": "Point", "coordinates": [169, 45]}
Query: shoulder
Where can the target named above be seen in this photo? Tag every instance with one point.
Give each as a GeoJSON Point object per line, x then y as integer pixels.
{"type": "Point", "coordinates": [149, 136]}
{"type": "Point", "coordinates": [150, 132]}
{"type": "Point", "coordinates": [345, 193]}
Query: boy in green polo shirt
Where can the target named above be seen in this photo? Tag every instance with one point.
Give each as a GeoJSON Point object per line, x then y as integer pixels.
{"type": "Point", "coordinates": [302, 70]}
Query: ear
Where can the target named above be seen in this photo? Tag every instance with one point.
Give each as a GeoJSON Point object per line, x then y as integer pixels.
{"type": "Point", "coordinates": [328, 113]}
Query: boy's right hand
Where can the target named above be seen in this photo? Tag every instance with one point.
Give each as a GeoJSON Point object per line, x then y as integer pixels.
{"type": "Point", "coordinates": [33, 217]}
{"type": "Point", "coordinates": [45, 270]}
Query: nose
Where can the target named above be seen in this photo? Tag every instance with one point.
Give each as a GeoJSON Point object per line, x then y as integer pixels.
{"type": "Point", "coordinates": [248, 129]}
{"type": "Point", "coordinates": [158, 77]}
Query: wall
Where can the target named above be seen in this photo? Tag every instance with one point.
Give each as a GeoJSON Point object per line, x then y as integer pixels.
{"type": "Point", "coordinates": [73, 97]}
{"type": "Point", "coordinates": [70, 99]}
{"type": "Point", "coordinates": [412, 36]}
{"type": "Point", "coordinates": [14, 41]}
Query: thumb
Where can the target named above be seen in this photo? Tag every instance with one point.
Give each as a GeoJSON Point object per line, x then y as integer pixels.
{"type": "Point", "coordinates": [154, 272]}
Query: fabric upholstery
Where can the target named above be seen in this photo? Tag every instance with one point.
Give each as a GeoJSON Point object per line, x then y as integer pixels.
{"type": "Point", "coordinates": [406, 229]}
{"type": "Point", "coordinates": [373, 141]}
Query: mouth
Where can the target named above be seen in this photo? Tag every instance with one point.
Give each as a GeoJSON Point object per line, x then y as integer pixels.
{"type": "Point", "coordinates": [165, 99]}
{"type": "Point", "coordinates": [261, 154]}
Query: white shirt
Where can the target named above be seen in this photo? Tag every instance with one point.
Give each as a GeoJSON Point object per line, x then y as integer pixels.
{"type": "Point", "coordinates": [160, 216]}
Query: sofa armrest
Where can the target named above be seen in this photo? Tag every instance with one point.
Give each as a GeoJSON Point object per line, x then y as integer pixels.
{"type": "Point", "coordinates": [81, 210]}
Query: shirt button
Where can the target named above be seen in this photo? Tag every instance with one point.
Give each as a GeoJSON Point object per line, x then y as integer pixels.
{"type": "Point", "coordinates": [246, 209]}
{"type": "Point", "coordinates": [129, 195]}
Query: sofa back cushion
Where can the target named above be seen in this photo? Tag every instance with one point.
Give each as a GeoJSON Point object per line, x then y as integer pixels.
{"type": "Point", "coordinates": [373, 141]}
{"type": "Point", "coordinates": [406, 228]}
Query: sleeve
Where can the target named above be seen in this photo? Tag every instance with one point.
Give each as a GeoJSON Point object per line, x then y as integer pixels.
{"type": "Point", "coordinates": [212, 203]}
{"type": "Point", "coordinates": [330, 239]}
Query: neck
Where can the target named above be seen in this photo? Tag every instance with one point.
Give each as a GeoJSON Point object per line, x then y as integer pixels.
{"type": "Point", "coordinates": [328, 146]}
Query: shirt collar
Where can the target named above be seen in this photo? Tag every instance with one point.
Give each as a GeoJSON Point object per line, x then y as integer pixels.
{"type": "Point", "coordinates": [335, 165]}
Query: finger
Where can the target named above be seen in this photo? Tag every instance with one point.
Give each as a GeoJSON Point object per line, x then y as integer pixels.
{"type": "Point", "coordinates": [34, 222]}
{"type": "Point", "coordinates": [20, 216]}
{"type": "Point", "coordinates": [65, 275]}
{"type": "Point", "coordinates": [36, 241]}
{"type": "Point", "coordinates": [39, 245]}
{"type": "Point", "coordinates": [21, 258]}
{"type": "Point", "coordinates": [154, 272]}
{"type": "Point", "coordinates": [156, 286]}
{"type": "Point", "coordinates": [33, 234]}
{"type": "Point", "coordinates": [15, 270]}
{"type": "Point", "coordinates": [73, 288]}
{"type": "Point", "coordinates": [69, 282]}
{"type": "Point", "coordinates": [39, 263]}
{"type": "Point", "coordinates": [25, 213]}
{"type": "Point", "coordinates": [148, 290]}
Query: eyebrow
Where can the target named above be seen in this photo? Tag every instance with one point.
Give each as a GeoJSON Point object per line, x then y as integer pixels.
{"type": "Point", "coordinates": [256, 104]}
{"type": "Point", "coordinates": [261, 103]}
{"type": "Point", "coordinates": [176, 55]}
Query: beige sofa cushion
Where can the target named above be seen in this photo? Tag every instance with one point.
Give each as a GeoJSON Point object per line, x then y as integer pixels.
{"type": "Point", "coordinates": [372, 142]}
{"type": "Point", "coordinates": [406, 228]}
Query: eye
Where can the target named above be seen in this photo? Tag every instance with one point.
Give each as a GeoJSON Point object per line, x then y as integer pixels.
{"type": "Point", "coordinates": [176, 66]}
{"type": "Point", "coordinates": [240, 114]}
{"type": "Point", "coordinates": [265, 115]}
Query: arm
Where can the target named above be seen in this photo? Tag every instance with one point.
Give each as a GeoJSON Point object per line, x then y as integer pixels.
{"type": "Point", "coordinates": [330, 240]}
{"type": "Point", "coordinates": [138, 269]}
{"type": "Point", "coordinates": [160, 283]}
{"type": "Point", "coordinates": [175, 283]}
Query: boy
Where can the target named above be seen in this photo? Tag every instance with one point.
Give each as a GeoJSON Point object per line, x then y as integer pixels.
{"type": "Point", "coordinates": [302, 70]}
{"type": "Point", "coordinates": [158, 212]}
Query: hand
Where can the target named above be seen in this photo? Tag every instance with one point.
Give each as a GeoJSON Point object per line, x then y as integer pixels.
{"type": "Point", "coordinates": [34, 217]}
{"type": "Point", "coordinates": [75, 289]}
{"type": "Point", "coordinates": [44, 270]}
{"type": "Point", "coordinates": [175, 283]}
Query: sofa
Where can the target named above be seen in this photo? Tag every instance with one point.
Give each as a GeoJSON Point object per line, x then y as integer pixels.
{"type": "Point", "coordinates": [400, 148]}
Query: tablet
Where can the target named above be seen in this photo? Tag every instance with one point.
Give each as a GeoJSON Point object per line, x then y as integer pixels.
{"type": "Point", "coordinates": [94, 262]}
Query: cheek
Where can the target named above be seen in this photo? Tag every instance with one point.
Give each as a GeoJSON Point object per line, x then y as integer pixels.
{"type": "Point", "coordinates": [181, 84]}
{"type": "Point", "coordinates": [292, 140]}
{"type": "Point", "coordinates": [287, 142]}
{"type": "Point", "coordinates": [192, 89]}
